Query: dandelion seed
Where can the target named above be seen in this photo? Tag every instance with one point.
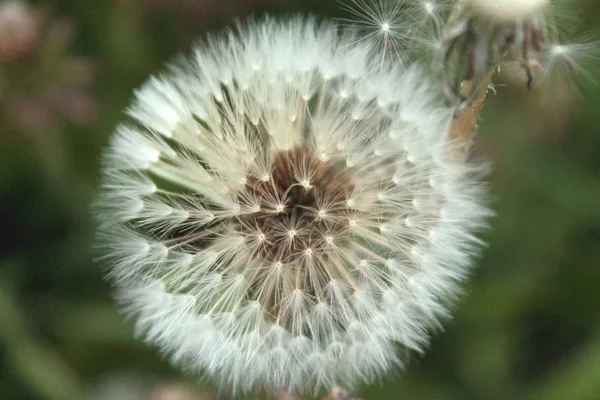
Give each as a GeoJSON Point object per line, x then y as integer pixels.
{"type": "Point", "coordinates": [246, 245]}
{"type": "Point", "coordinates": [572, 59]}
{"type": "Point", "coordinates": [388, 26]}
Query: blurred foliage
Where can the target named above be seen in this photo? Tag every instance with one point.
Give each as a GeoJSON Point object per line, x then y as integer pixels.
{"type": "Point", "coordinates": [528, 326]}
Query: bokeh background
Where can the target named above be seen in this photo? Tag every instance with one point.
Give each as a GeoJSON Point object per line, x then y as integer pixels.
{"type": "Point", "coordinates": [528, 328]}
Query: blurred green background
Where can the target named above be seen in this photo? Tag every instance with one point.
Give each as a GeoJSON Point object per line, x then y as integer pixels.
{"type": "Point", "coordinates": [528, 328]}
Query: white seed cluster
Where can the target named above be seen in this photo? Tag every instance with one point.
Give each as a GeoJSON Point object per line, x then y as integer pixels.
{"type": "Point", "coordinates": [280, 212]}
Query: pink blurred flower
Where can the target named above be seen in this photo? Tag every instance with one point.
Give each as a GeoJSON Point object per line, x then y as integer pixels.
{"type": "Point", "coordinates": [19, 29]}
{"type": "Point", "coordinates": [66, 91]}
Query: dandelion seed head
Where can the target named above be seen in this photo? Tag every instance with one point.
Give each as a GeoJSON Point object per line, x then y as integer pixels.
{"type": "Point", "coordinates": [482, 34]}
{"type": "Point", "coordinates": [276, 241]}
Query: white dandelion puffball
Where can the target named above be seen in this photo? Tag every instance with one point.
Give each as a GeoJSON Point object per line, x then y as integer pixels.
{"type": "Point", "coordinates": [281, 213]}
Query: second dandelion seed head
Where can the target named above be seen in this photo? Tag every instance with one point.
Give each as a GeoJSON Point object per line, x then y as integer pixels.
{"type": "Point", "coordinates": [481, 34]}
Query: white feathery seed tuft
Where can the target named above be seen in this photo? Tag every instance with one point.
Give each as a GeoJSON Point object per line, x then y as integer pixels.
{"type": "Point", "coordinates": [282, 212]}
{"type": "Point", "coordinates": [570, 61]}
{"type": "Point", "coordinates": [393, 28]}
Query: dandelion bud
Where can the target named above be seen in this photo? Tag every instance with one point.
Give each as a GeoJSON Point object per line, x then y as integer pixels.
{"type": "Point", "coordinates": [282, 213]}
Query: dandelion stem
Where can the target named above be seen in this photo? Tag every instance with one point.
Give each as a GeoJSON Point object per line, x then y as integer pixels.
{"type": "Point", "coordinates": [464, 124]}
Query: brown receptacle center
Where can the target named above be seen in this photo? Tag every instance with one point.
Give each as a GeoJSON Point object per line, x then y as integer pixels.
{"type": "Point", "coordinates": [313, 215]}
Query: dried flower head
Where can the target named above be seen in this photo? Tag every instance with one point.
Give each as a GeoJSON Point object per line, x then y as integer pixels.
{"type": "Point", "coordinates": [282, 212]}
{"type": "Point", "coordinates": [482, 34]}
